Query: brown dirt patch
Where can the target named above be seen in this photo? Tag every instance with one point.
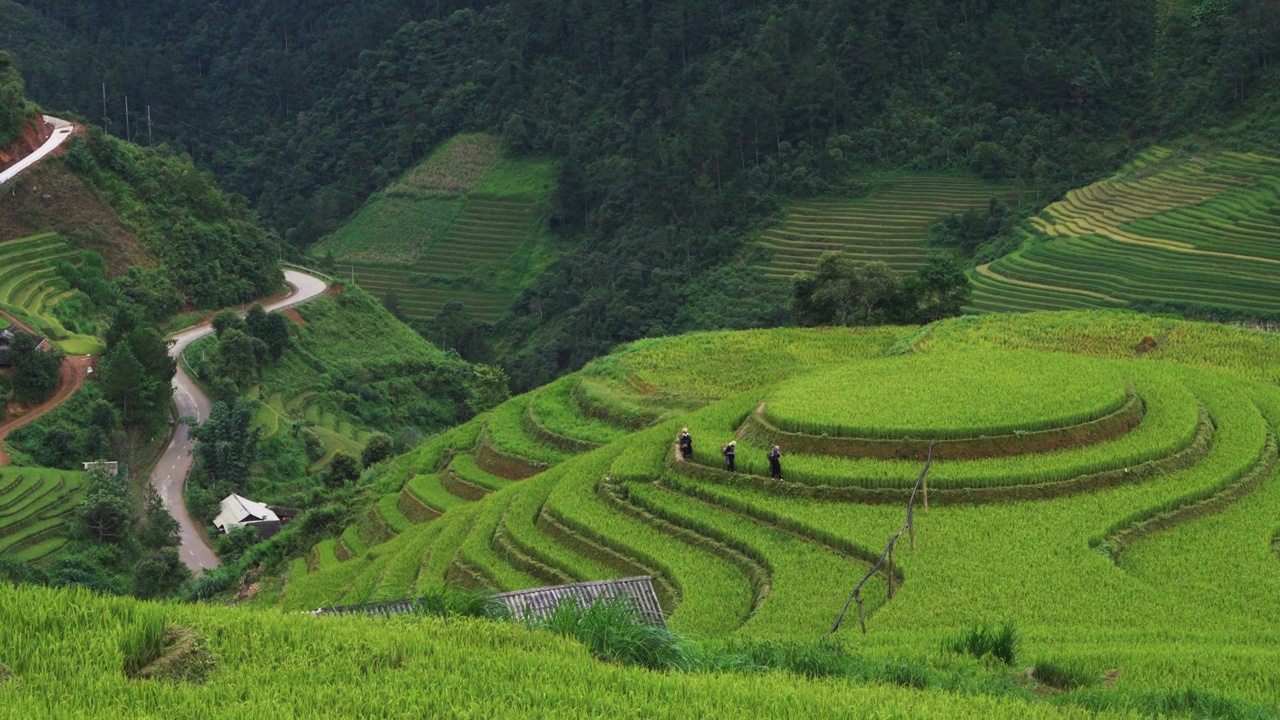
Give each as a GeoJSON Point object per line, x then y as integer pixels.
{"type": "Point", "coordinates": [334, 290]}
{"type": "Point", "coordinates": [75, 368]}
{"type": "Point", "coordinates": [51, 198]}
{"type": "Point", "coordinates": [33, 135]}
{"type": "Point", "coordinates": [295, 316]}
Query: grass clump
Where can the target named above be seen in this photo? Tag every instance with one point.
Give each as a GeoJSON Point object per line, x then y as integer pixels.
{"type": "Point", "coordinates": [448, 603]}
{"type": "Point", "coordinates": [612, 630]}
{"type": "Point", "coordinates": [1066, 674]}
{"type": "Point", "coordinates": [983, 641]}
{"type": "Point", "coordinates": [142, 641]}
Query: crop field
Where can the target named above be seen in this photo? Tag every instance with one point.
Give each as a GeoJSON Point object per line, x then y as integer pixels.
{"type": "Point", "coordinates": [465, 225]}
{"type": "Point", "coordinates": [1168, 227]}
{"type": "Point", "coordinates": [891, 224]}
{"type": "Point", "coordinates": [1118, 500]}
{"type": "Point", "coordinates": [92, 644]}
{"type": "Point", "coordinates": [30, 288]}
{"type": "Point", "coordinates": [35, 507]}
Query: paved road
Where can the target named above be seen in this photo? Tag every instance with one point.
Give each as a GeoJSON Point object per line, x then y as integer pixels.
{"type": "Point", "coordinates": [170, 475]}
{"type": "Point", "coordinates": [61, 131]}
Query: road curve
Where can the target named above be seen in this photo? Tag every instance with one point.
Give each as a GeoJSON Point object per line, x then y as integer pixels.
{"type": "Point", "coordinates": [170, 475]}
{"type": "Point", "coordinates": [61, 131]}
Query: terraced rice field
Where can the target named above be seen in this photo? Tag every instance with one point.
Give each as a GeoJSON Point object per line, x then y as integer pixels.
{"type": "Point", "coordinates": [890, 225]}
{"type": "Point", "coordinates": [1169, 227]}
{"type": "Point", "coordinates": [277, 412]}
{"type": "Point", "coordinates": [465, 225]}
{"type": "Point", "coordinates": [30, 287]}
{"type": "Point", "coordinates": [35, 507]}
{"type": "Point", "coordinates": [475, 252]}
{"type": "Point", "coordinates": [1127, 520]}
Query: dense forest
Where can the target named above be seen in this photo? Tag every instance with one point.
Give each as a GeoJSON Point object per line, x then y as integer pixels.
{"type": "Point", "coordinates": [680, 125]}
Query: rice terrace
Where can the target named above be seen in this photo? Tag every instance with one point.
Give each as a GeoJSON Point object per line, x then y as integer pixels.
{"type": "Point", "coordinates": [542, 359]}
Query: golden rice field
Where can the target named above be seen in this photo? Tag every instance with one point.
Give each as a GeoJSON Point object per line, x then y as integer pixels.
{"type": "Point", "coordinates": [1121, 505]}
{"type": "Point", "coordinates": [1169, 227]}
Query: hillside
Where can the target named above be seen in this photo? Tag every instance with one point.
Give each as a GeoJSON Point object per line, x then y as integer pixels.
{"type": "Point", "coordinates": [351, 369]}
{"type": "Point", "coordinates": [465, 225]}
{"type": "Point", "coordinates": [1175, 228]}
{"type": "Point", "coordinates": [1120, 509]}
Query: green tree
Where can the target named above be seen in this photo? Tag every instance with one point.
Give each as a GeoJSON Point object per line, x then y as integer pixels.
{"type": "Point", "coordinates": [226, 320]}
{"type": "Point", "coordinates": [104, 512]}
{"type": "Point", "coordinates": [376, 449]}
{"type": "Point", "coordinates": [842, 292]}
{"type": "Point", "coordinates": [124, 383]}
{"type": "Point", "coordinates": [490, 389]}
{"type": "Point", "coordinates": [158, 529]}
{"type": "Point", "coordinates": [226, 443]}
{"type": "Point", "coordinates": [270, 328]}
{"type": "Point", "coordinates": [35, 373]}
{"type": "Point", "coordinates": [940, 288]}
{"type": "Point", "coordinates": [159, 572]}
{"type": "Point", "coordinates": [240, 356]}
{"type": "Point", "coordinates": [342, 470]}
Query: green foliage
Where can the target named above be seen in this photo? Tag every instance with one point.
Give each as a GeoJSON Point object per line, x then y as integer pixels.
{"type": "Point", "coordinates": [158, 573]}
{"type": "Point", "coordinates": [226, 444]}
{"type": "Point", "coordinates": [343, 469]}
{"type": "Point", "coordinates": [211, 244]}
{"type": "Point", "coordinates": [378, 447]}
{"type": "Point", "coordinates": [611, 631]}
{"type": "Point", "coordinates": [104, 512]}
{"type": "Point", "coordinates": [843, 292]}
{"type": "Point", "coordinates": [15, 111]}
{"type": "Point", "coordinates": [447, 602]}
{"type": "Point", "coordinates": [85, 427]}
{"type": "Point", "coordinates": [142, 639]}
{"type": "Point", "coordinates": [998, 642]}
{"type": "Point", "coordinates": [35, 372]}
{"type": "Point", "coordinates": [158, 529]}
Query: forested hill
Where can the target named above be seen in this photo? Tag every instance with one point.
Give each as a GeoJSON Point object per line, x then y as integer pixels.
{"type": "Point", "coordinates": [679, 124]}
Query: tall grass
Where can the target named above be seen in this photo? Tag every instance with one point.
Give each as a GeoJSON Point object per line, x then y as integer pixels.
{"type": "Point", "coordinates": [982, 641]}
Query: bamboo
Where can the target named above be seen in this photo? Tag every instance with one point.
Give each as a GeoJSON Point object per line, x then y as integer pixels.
{"type": "Point", "coordinates": [891, 568]}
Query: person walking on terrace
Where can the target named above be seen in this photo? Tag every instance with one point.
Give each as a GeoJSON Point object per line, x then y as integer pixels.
{"type": "Point", "coordinates": [728, 451]}
{"type": "Point", "coordinates": [775, 463]}
{"type": "Point", "coordinates": [686, 444]}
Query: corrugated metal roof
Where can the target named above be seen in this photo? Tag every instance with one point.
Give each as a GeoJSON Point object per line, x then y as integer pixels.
{"type": "Point", "coordinates": [238, 510]}
{"type": "Point", "coordinates": [539, 602]}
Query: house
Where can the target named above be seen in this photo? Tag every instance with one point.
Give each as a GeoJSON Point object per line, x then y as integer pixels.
{"type": "Point", "coordinates": [111, 467]}
{"type": "Point", "coordinates": [6, 337]}
{"type": "Point", "coordinates": [240, 511]}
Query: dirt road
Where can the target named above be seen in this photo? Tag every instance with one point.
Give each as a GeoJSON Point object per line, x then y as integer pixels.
{"type": "Point", "coordinates": [72, 374]}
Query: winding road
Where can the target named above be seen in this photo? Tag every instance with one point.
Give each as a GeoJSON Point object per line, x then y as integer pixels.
{"type": "Point", "coordinates": [61, 131]}
{"type": "Point", "coordinates": [170, 475]}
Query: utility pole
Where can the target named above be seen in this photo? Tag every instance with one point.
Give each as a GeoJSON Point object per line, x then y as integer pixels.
{"type": "Point", "coordinates": [128, 134]}
{"type": "Point", "coordinates": [150, 140]}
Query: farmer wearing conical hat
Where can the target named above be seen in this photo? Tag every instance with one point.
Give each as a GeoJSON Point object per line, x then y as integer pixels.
{"type": "Point", "coordinates": [728, 450]}
{"type": "Point", "coordinates": [686, 444]}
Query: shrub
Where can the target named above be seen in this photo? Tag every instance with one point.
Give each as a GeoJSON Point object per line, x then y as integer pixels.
{"type": "Point", "coordinates": [982, 640]}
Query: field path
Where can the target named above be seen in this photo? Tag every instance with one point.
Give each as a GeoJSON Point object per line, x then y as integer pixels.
{"type": "Point", "coordinates": [62, 130]}
{"type": "Point", "coordinates": [170, 475]}
{"type": "Point", "coordinates": [72, 374]}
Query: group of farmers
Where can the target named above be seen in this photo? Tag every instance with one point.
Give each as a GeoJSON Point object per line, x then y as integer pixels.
{"type": "Point", "coordinates": [685, 443]}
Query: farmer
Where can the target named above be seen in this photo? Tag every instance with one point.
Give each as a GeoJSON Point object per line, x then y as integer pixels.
{"type": "Point", "coordinates": [686, 443]}
{"type": "Point", "coordinates": [728, 455]}
{"type": "Point", "coordinates": [775, 463]}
